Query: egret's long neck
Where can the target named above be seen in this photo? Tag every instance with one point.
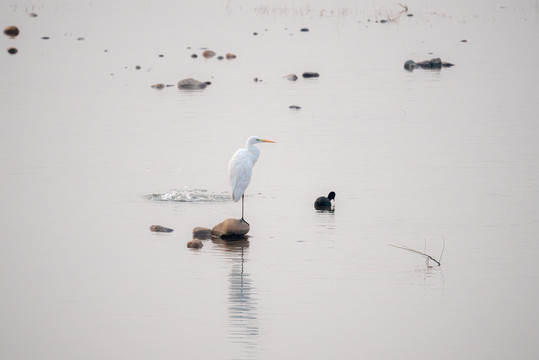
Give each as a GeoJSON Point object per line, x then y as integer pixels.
{"type": "Point", "coordinates": [255, 152]}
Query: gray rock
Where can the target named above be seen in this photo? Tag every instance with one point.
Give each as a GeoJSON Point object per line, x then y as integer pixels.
{"type": "Point", "coordinates": [294, 107]}
{"type": "Point", "coordinates": [310, 74]}
{"type": "Point", "coordinates": [435, 63]}
{"type": "Point", "coordinates": [12, 50]}
{"type": "Point", "coordinates": [231, 229]}
{"type": "Point", "coordinates": [201, 233]}
{"type": "Point", "coordinates": [191, 84]}
{"type": "Point", "coordinates": [159, 228]}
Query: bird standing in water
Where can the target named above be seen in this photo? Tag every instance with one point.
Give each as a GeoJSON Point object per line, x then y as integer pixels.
{"type": "Point", "coordinates": [325, 203]}
{"type": "Point", "coordinates": [240, 168]}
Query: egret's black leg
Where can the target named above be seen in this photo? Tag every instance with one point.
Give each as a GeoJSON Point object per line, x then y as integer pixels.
{"type": "Point", "coordinates": [242, 211]}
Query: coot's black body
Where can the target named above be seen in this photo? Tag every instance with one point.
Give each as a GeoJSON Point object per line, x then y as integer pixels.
{"type": "Point", "coordinates": [324, 203]}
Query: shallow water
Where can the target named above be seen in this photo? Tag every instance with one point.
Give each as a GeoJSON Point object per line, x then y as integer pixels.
{"type": "Point", "coordinates": [91, 156]}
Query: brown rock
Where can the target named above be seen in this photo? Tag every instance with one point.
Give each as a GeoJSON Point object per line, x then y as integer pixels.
{"type": "Point", "coordinates": [208, 54]}
{"type": "Point", "coordinates": [231, 229]}
{"type": "Point", "coordinates": [230, 56]}
{"type": "Point", "coordinates": [201, 233]}
{"type": "Point", "coordinates": [11, 31]}
{"type": "Point", "coordinates": [195, 244]}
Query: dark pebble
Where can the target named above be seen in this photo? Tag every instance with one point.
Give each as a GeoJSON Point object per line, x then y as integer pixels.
{"type": "Point", "coordinates": [294, 107]}
{"type": "Point", "coordinates": [304, 30]}
{"type": "Point", "coordinates": [194, 56]}
{"type": "Point", "coordinates": [309, 74]}
{"type": "Point", "coordinates": [12, 50]}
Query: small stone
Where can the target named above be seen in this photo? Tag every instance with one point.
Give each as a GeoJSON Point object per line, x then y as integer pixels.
{"type": "Point", "coordinates": [231, 229]}
{"type": "Point", "coordinates": [32, 15]}
{"type": "Point", "coordinates": [80, 39]}
{"type": "Point", "coordinates": [195, 244]}
{"type": "Point", "coordinates": [11, 31]}
{"type": "Point", "coordinates": [194, 56]}
{"type": "Point", "coordinates": [410, 15]}
{"type": "Point", "coordinates": [158, 86]}
{"type": "Point", "coordinates": [310, 74]}
{"type": "Point", "coordinates": [230, 56]}
{"type": "Point", "coordinates": [12, 50]}
{"type": "Point", "coordinates": [188, 84]}
{"type": "Point", "coordinates": [159, 228]}
{"type": "Point", "coordinates": [45, 37]}
{"type": "Point", "coordinates": [220, 57]}
{"type": "Point", "coordinates": [294, 107]}
{"type": "Point", "coordinates": [291, 77]}
{"type": "Point", "coordinates": [201, 233]}
{"type": "Point", "coordinates": [463, 40]}
{"type": "Point", "coordinates": [161, 55]}
{"type": "Point", "coordinates": [138, 67]}
{"type": "Point", "coordinates": [410, 65]}
{"type": "Point", "coordinates": [304, 30]}
{"type": "Point", "coordinates": [255, 33]}
{"type": "Point", "coordinates": [383, 21]}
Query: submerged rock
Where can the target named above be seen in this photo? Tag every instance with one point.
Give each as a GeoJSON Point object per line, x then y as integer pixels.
{"type": "Point", "coordinates": [310, 74]}
{"type": "Point", "coordinates": [231, 229]}
{"type": "Point", "coordinates": [291, 77]}
{"type": "Point", "coordinates": [435, 63]}
{"type": "Point", "coordinates": [195, 244]}
{"type": "Point", "coordinates": [159, 228]}
{"type": "Point", "coordinates": [191, 84]}
{"type": "Point", "coordinates": [201, 233]}
{"type": "Point", "coordinates": [11, 31]}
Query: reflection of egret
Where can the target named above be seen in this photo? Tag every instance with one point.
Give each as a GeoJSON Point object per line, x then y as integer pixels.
{"type": "Point", "coordinates": [242, 302]}
{"type": "Point", "coordinates": [325, 203]}
{"type": "Point", "coordinates": [240, 168]}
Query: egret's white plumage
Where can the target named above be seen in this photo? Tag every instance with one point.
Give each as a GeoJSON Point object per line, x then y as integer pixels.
{"type": "Point", "coordinates": [240, 167]}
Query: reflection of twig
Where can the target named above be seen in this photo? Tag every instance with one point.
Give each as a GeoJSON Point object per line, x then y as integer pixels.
{"type": "Point", "coordinates": [422, 253]}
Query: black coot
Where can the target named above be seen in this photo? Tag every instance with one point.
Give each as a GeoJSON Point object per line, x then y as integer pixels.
{"type": "Point", "coordinates": [324, 203]}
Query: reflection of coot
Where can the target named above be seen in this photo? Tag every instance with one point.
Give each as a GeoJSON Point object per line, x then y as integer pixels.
{"type": "Point", "coordinates": [324, 203]}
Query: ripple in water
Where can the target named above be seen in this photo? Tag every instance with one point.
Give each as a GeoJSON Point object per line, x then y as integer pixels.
{"type": "Point", "coordinates": [190, 195]}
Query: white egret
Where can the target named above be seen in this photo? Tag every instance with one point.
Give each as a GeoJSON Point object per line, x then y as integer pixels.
{"type": "Point", "coordinates": [325, 203]}
{"type": "Point", "coordinates": [240, 168]}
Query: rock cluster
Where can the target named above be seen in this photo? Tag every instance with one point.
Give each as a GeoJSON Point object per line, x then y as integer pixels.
{"type": "Point", "coordinates": [435, 63]}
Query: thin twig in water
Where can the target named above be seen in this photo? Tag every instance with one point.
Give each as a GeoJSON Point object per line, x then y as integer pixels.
{"type": "Point", "coordinates": [443, 247]}
{"type": "Point", "coordinates": [417, 252]}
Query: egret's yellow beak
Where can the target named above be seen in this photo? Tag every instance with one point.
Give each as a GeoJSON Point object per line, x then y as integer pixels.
{"type": "Point", "coordinates": [264, 140]}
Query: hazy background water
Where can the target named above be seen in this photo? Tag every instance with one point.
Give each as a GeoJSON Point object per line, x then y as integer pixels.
{"type": "Point", "coordinates": [414, 157]}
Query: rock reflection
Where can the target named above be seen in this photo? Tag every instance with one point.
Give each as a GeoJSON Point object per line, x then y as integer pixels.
{"type": "Point", "coordinates": [242, 305]}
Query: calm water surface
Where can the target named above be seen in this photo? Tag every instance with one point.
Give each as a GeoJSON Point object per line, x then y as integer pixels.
{"type": "Point", "coordinates": [91, 156]}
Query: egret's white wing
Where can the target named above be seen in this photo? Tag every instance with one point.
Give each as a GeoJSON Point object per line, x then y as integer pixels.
{"type": "Point", "coordinates": [240, 168]}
